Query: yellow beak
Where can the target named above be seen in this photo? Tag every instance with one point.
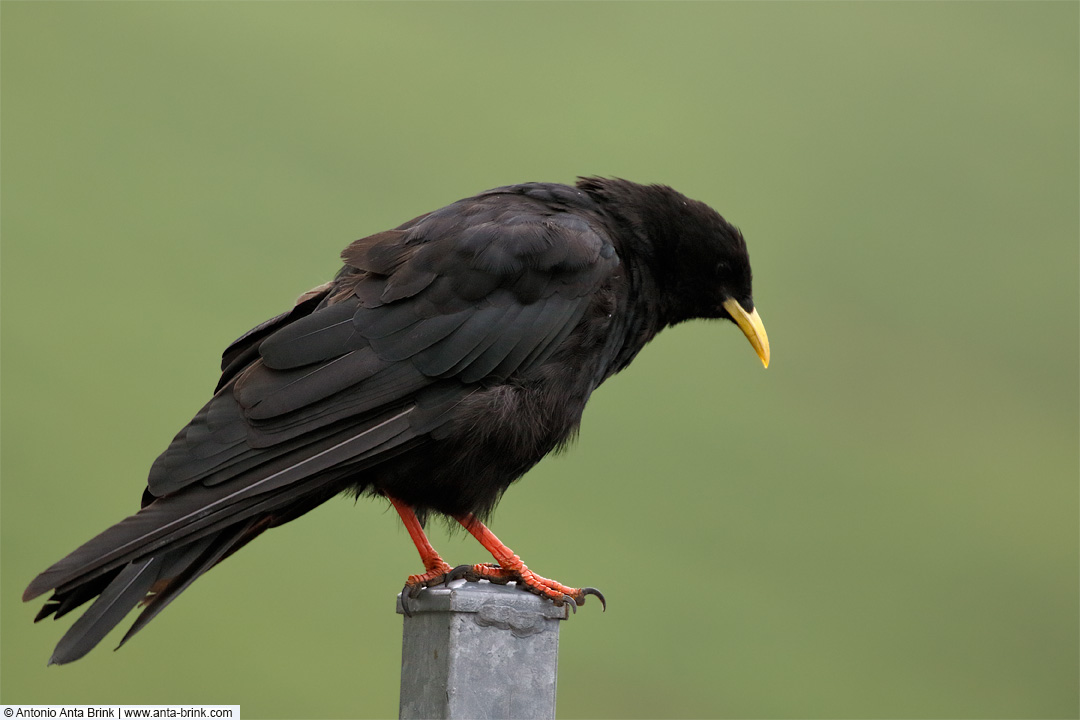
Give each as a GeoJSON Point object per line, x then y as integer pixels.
{"type": "Point", "coordinates": [752, 327]}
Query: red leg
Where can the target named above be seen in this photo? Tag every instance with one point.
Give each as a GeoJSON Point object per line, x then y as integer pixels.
{"type": "Point", "coordinates": [434, 565]}
{"type": "Point", "coordinates": [512, 568]}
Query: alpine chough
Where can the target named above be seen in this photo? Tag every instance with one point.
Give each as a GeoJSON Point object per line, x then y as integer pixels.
{"type": "Point", "coordinates": [445, 359]}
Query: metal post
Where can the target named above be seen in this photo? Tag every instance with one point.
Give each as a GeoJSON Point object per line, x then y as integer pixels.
{"type": "Point", "coordinates": [478, 650]}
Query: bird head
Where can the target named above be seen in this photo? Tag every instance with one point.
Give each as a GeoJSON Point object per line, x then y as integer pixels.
{"type": "Point", "coordinates": [710, 273]}
{"type": "Point", "coordinates": [696, 257]}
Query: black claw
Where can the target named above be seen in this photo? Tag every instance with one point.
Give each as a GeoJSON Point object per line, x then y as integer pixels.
{"type": "Point", "coordinates": [593, 591]}
{"type": "Point", "coordinates": [461, 571]}
{"type": "Point", "coordinates": [405, 592]}
{"type": "Point", "coordinates": [567, 600]}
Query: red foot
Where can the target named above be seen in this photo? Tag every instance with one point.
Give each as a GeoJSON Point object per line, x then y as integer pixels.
{"type": "Point", "coordinates": [511, 567]}
{"type": "Point", "coordinates": [432, 576]}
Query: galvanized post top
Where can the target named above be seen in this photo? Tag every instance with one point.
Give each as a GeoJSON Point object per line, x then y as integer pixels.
{"type": "Point", "coordinates": [484, 597]}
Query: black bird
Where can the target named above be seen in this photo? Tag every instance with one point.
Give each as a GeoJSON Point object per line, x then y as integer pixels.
{"type": "Point", "coordinates": [445, 359]}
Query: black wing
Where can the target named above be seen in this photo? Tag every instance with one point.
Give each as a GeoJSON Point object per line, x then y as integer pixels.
{"type": "Point", "coordinates": [361, 370]}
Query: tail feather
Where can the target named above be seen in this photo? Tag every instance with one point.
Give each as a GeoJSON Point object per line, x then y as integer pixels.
{"type": "Point", "coordinates": [122, 594]}
{"type": "Point", "coordinates": [212, 553]}
{"type": "Point", "coordinates": [61, 604]}
{"type": "Point", "coordinates": [138, 582]}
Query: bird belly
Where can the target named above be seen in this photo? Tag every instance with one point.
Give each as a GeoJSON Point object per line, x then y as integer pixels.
{"type": "Point", "coordinates": [494, 436]}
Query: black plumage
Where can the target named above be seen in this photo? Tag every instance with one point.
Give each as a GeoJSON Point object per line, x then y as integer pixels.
{"type": "Point", "coordinates": [445, 359]}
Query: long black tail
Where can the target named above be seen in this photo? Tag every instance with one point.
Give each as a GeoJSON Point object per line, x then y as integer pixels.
{"type": "Point", "coordinates": [153, 556]}
{"type": "Point", "coordinates": [154, 581]}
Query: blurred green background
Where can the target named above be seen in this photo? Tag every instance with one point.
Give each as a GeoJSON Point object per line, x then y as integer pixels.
{"type": "Point", "coordinates": [883, 524]}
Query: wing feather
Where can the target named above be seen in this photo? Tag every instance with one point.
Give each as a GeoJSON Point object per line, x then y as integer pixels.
{"type": "Point", "coordinates": [325, 334]}
{"type": "Point", "coordinates": [266, 393]}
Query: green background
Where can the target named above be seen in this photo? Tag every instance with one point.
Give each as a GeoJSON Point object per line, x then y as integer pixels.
{"type": "Point", "coordinates": [883, 524]}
